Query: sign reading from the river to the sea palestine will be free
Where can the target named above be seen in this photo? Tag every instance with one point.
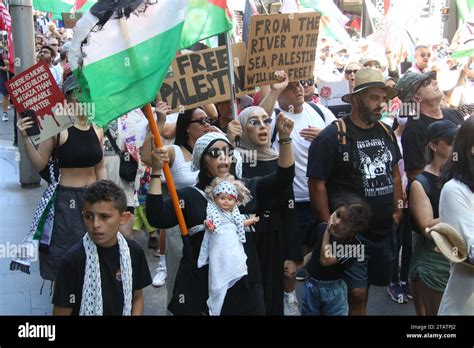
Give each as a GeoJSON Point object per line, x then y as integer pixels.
{"type": "Point", "coordinates": [281, 42]}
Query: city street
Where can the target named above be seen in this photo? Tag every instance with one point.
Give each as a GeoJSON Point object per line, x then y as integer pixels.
{"type": "Point", "coordinates": [20, 293]}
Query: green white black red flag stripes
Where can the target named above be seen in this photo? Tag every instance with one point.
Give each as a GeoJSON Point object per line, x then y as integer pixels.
{"type": "Point", "coordinates": [121, 65]}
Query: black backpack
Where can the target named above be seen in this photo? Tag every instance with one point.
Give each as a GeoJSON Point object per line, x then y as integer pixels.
{"type": "Point", "coordinates": [313, 105]}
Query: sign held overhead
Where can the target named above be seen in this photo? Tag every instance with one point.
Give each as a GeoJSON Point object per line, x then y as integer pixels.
{"type": "Point", "coordinates": [281, 42]}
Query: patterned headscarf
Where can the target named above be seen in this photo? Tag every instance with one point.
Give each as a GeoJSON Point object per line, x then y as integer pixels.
{"type": "Point", "coordinates": [225, 187]}
{"type": "Point", "coordinates": [202, 144]}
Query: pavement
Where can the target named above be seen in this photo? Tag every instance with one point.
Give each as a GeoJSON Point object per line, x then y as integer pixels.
{"type": "Point", "coordinates": [20, 293]}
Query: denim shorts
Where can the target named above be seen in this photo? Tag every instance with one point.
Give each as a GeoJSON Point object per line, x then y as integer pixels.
{"type": "Point", "coordinates": [324, 297]}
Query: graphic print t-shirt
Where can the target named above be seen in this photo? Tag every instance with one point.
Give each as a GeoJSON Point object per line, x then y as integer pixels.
{"type": "Point", "coordinates": [363, 167]}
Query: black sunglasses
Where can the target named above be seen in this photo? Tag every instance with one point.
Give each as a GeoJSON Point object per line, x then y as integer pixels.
{"type": "Point", "coordinates": [349, 72]}
{"type": "Point", "coordinates": [305, 83]}
{"type": "Point", "coordinates": [216, 152]}
{"type": "Point", "coordinates": [202, 121]}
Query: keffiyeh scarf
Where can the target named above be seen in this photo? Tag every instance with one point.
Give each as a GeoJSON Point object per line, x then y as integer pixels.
{"type": "Point", "coordinates": [91, 302]}
{"type": "Point", "coordinates": [40, 229]}
{"type": "Point", "coordinates": [216, 215]}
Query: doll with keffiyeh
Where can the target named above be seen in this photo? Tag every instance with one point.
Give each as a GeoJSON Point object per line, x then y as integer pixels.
{"type": "Point", "coordinates": [222, 246]}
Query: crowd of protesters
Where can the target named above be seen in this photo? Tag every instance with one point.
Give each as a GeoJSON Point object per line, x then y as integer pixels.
{"type": "Point", "coordinates": [339, 196]}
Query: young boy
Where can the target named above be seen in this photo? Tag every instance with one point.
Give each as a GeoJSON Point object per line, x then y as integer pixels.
{"type": "Point", "coordinates": [336, 249]}
{"type": "Point", "coordinates": [104, 273]}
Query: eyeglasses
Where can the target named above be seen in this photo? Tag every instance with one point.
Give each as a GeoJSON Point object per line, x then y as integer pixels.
{"type": "Point", "coordinates": [202, 121]}
{"type": "Point", "coordinates": [256, 123]}
{"type": "Point", "coordinates": [308, 83]}
{"type": "Point", "coordinates": [216, 152]}
{"type": "Point", "coordinates": [423, 55]}
{"type": "Point", "coordinates": [350, 72]}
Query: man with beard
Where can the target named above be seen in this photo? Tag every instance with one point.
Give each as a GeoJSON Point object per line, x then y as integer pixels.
{"type": "Point", "coordinates": [359, 154]}
{"type": "Point", "coordinates": [47, 54]}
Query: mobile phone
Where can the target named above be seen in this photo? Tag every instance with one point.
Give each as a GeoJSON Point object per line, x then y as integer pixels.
{"type": "Point", "coordinates": [34, 130]}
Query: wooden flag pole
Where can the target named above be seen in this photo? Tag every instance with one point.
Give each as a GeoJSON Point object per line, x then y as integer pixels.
{"type": "Point", "coordinates": [167, 171]}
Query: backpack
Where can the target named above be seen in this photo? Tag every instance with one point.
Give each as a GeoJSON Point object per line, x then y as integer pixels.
{"type": "Point", "coordinates": [313, 105]}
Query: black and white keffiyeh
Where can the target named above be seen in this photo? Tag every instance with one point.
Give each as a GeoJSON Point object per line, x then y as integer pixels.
{"type": "Point", "coordinates": [40, 229]}
{"type": "Point", "coordinates": [216, 215]}
{"type": "Point", "coordinates": [91, 302]}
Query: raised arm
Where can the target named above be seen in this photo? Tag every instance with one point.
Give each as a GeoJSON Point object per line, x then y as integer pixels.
{"type": "Point", "coordinates": [285, 173]}
{"type": "Point", "coordinates": [159, 213]}
{"type": "Point", "coordinates": [268, 103]}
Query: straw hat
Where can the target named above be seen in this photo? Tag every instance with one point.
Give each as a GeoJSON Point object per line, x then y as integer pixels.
{"type": "Point", "coordinates": [450, 242]}
{"type": "Point", "coordinates": [369, 78]}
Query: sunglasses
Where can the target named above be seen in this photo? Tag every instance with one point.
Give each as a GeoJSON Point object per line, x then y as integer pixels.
{"type": "Point", "coordinates": [202, 121]}
{"type": "Point", "coordinates": [256, 123]}
{"type": "Point", "coordinates": [426, 83]}
{"type": "Point", "coordinates": [350, 72]}
{"type": "Point", "coordinates": [423, 55]}
{"type": "Point", "coordinates": [216, 152]}
{"type": "Point", "coordinates": [308, 83]}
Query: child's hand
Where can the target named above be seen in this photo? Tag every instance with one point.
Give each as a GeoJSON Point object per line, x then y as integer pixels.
{"type": "Point", "coordinates": [209, 225]}
{"type": "Point", "coordinates": [255, 219]}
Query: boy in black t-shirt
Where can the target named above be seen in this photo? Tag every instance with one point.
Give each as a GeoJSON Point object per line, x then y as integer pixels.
{"type": "Point", "coordinates": [336, 249]}
{"type": "Point", "coordinates": [104, 273]}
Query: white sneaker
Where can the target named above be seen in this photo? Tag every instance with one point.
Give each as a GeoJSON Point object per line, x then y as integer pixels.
{"type": "Point", "coordinates": [5, 117]}
{"type": "Point", "coordinates": [290, 305]}
{"type": "Point", "coordinates": [160, 277]}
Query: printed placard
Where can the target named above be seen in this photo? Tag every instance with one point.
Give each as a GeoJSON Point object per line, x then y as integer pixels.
{"type": "Point", "coordinates": [35, 89]}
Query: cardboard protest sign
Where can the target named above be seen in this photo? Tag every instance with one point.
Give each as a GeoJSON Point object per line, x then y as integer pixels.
{"type": "Point", "coordinates": [201, 78]}
{"type": "Point", "coordinates": [35, 89]}
{"type": "Point", "coordinates": [281, 42]}
{"type": "Point", "coordinates": [70, 19]}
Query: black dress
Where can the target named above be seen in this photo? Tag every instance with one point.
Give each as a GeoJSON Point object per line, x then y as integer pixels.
{"type": "Point", "coordinates": [191, 287]}
{"type": "Point", "coordinates": [275, 237]}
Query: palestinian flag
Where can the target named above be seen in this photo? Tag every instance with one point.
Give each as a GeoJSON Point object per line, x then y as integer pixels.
{"type": "Point", "coordinates": [465, 9]}
{"type": "Point", "coordinates": [333, 21]}
{"type": "Point", "coordinates": [122, 54]}
{"type": "Point", "coordinates": [57, 7]}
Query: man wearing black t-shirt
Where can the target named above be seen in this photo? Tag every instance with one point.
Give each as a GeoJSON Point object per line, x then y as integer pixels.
{"type": "Point", "coordinates": [360, 155]}
{"type": "Point", "coordinates": [421, 90]}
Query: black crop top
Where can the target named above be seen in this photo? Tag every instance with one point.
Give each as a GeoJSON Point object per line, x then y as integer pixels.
{"type": "Point", "coordinates": [82, 149]}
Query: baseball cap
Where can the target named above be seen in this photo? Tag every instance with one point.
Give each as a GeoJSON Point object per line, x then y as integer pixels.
{"type": "Point", "coordinates": [443, 129]}
{"type": "Point", "coordinates": [70, 84]}
{"type": "Point", "coordinates": [409, 83]}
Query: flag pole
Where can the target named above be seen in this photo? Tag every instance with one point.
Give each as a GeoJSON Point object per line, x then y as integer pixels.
{"type": "Point", "coordinates": [230, 72]}
{"type": "Point", "coordinates": [166, 169]}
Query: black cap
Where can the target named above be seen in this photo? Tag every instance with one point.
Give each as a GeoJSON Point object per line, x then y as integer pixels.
{"type": "Point", "coordinates": [443, 129]}
{"type": "Point", "coordinates": [70, 84]}
{"type": "Point", "coordinates": [409, 83]}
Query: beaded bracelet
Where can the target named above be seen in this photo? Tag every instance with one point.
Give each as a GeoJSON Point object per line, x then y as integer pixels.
{"type": "Point", "coordinates": [284, 141]}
